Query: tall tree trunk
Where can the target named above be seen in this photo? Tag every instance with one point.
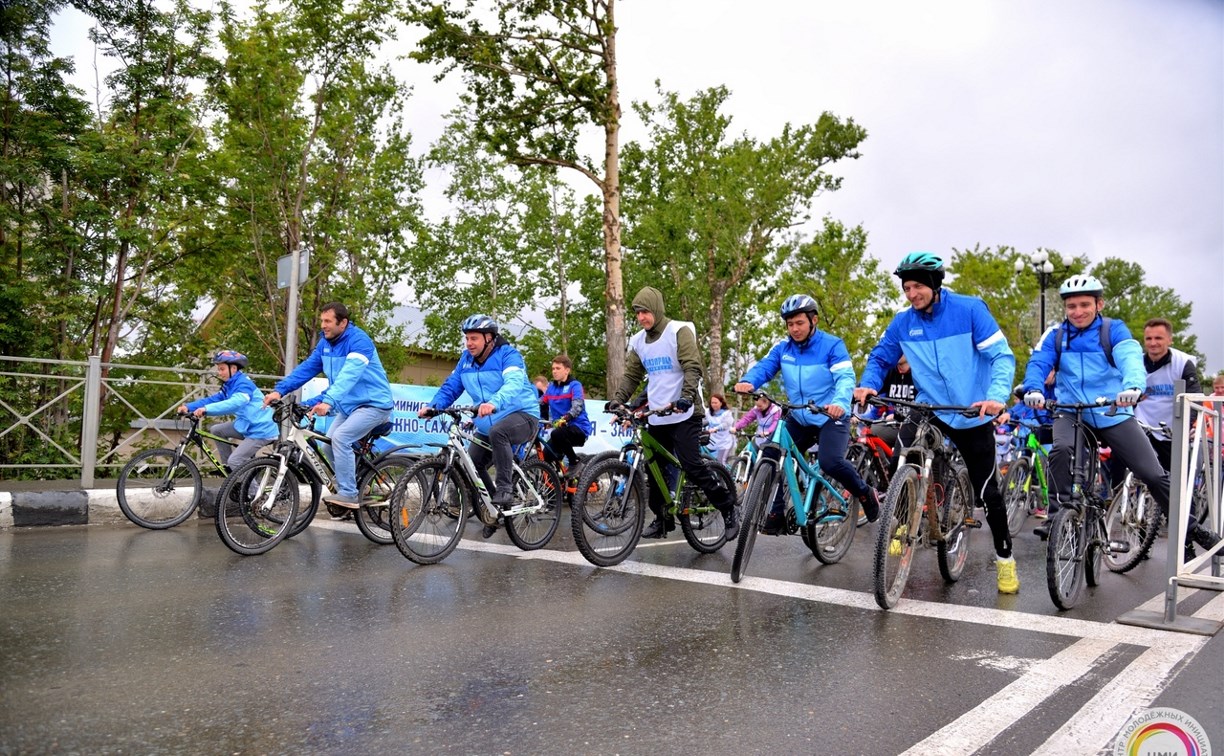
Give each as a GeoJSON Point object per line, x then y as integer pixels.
{"type": "Point", "coordinates": [614, 290]}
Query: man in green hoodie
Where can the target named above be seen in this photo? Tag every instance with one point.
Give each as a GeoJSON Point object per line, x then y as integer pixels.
{"type": "Point", "coordinates": [665, 354]}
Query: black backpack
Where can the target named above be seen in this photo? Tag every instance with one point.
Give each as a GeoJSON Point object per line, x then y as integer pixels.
{"type": "Point", "coordinates": [1106, 343]}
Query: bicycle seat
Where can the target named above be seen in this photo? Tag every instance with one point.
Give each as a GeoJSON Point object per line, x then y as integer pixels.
{"type": "Point", "coordinates": [378, 432]}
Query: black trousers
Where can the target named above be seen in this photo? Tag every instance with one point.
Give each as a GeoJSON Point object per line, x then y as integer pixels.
{"type": "Point", "coordinates": [682, 440]}
{"type": "Point", "coordinates": [564, 439]}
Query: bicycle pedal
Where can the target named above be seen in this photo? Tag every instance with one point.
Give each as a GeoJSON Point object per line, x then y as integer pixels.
{"type": "Point", "coordinates": [1119, 547]}
{"type": "Point", "coordinates": [973, 522]}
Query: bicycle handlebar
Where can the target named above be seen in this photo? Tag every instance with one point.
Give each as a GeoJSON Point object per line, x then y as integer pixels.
{"type": "Point", "coordinates": [964, 411]}
{"type": "Point", "coordinates": [787, 406]}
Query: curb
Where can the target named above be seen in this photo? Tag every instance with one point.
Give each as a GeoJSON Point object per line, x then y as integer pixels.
{"type": "Point", "coordinates": [98, 506]}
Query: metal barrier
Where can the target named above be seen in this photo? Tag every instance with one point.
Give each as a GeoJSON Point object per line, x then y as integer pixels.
{"type": "Point", "coordinates": [79, 401]}
{"type": "Point", "coordinates": [1196, 461]}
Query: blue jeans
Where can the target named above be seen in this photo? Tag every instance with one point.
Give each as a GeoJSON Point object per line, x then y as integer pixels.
{"type": "Point", "coordinates": [343, 432]}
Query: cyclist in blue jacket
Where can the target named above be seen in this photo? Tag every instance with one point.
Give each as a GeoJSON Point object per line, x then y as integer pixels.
{"type": "Point", "coordinates": [1083, 373]}
{"type": "Point", "coordinates": [566, 404]}
{"type": "Point", "coordinates": [959, 357]}
{"type": "Point", "coordinates": [815, 367]}
{"type": "Point", "coordinates": [241, 398]}
{"type": "Point", "coordinates": [493, 373]}
{"type": "Point", "coordinates": [358, 390]}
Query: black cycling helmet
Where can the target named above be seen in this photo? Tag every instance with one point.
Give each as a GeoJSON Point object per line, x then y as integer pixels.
{"type": "Point", "coordinates": [927, 268]}
{"type": "Point", "coordinates": [797, 303]}
{"type": "Point", "coordinates": [480, 324]}
{"type": "Point", "coordinates": [230, 357]}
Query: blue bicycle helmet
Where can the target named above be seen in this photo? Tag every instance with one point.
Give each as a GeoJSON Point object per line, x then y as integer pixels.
{"type": "Point", "coordinates": [927, 268]}
{"type": "Point", "coordinates": [1082, 284]}
{"type": "Point", "coordinates": [797, 303]}
{"type": "Point", "coordinates": [480, 324]}
{"type": "Point", "coordinates": [230, 357]}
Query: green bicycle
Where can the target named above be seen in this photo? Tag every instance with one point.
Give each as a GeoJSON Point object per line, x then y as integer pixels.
{"type": "Point", "coordinates": [1026, 488]}
{"type": "Point", "coordinates": [609, 507]}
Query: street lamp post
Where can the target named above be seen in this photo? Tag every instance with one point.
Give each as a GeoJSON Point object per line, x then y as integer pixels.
{"type": "Point", "coordinates": [1039, 261]}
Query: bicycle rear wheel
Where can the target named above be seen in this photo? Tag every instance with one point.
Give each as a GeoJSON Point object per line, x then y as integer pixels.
{"type": "Point", "coordinates": [374, 492]}
{"type": "Point", "coordinates": [1133, 519]}
{"type": "Point", "coordinates": [533, 530]}
{"type": "Point", "coordinates": [762, 488]}
{"type": "Point", "coordinates": [900, 520]}
{"type": "Point", "coordinates": [1065, 553]}
{"type": "Point", "coordinates": [429, 508]}
{"type": "Point", "coordinates": [159, 488]}
{"type": "Point", "coordinates": [1016, 493]}
{"type": "Point", "coordinates": [953, 550]}
{"type": "Point", "coordinates": [255, 512]}
{"type": "Point", "coordinates": [702, 524]}
{"type": "Point", "coordinates": [609, 512]}
{"type": "Point", "coordinates": [830, 538]}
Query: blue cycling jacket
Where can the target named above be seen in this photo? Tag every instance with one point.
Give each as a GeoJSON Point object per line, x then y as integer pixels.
{"type": "Point", "coordinates": [354, 372]}
{"type": "Point", "coordinates": [501, 380]}
{"type": "Point", "coordinates": [561, 399]}
{"type": "Point", "coordinates": [1085, 374]}
{"type": "Point", "coordinates": [957, 353]}
{"type": "Point", "coordinates": [818, 370]}
{"type": "Point", "coordinates": [240, 397]}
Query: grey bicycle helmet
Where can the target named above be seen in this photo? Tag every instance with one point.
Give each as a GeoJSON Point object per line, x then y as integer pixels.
{"type": "Point", "coordinates": [797, 303]}
{"type": "Point", "coordinates": [1082, 284]}
{"type": "Point", "coordinates": [480, 324]}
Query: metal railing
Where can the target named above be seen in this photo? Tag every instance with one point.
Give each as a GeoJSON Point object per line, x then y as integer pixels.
{"type": "Point", "coordinates": [50, 401]}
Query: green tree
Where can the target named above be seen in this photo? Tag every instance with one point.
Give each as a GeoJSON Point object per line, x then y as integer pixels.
{"type": "Point", "coordinates": [1134, 302]}
{"type": "Point", "coordinates": [706, 210]}
{"type": "Point", "coordinates": [538, 72]}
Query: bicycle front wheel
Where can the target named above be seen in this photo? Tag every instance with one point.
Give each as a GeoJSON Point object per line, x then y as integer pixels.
{"type": "Point", "coordinates": [1016, 493]}
{"type": "Point", "coordinates": [374, 492]}
{"type": "Point", "coordinates": [429, 508]}
{"type": "Point", "coordinates": [1065, 554]}
{"type": "Point", "coordinates": [1132, 519]}
{"type": "Point", "coordinates": [953, 550]}
{"type": "Point", "coordinates": [540, 488]}
{"type": "Point", "coordinates": [159, 488]}
{"type": "Point", "coordinates": [900, 520]}
{"type": "Point", "coordinates": [255, 512]}
{"type": "Point", "coordinates": [702, 524]}
{"type": "Point", "coordinates": [761, 491]}
{"type": "Point", "coordinates": [609, 512]}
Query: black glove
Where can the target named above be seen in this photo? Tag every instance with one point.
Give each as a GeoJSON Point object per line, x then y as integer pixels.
{"type": "Point", "coordinates": [613, 406]}
{"type": "Point", "coordinates": [426, 412]}
{"type": "Point", "coordinates": [683, 405]}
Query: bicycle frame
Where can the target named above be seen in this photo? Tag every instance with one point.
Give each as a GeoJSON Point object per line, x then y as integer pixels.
{"type": "Point", "coordinates": [800, 475]}
{"type": "Point", "coordinates": [196, 437]}
{"type": "Point", "coordinates": [1039, 459]}
{"type": "Point", "coordinates": [930, 447]}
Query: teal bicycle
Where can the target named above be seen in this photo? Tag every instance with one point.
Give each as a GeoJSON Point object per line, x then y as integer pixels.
{"type": "Point", "coordinates": [823, 512]}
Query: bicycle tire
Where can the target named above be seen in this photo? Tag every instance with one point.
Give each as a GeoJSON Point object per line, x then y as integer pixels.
{"type": "Point", "coordinates": [374, 491]}
{"type": "Point", "coordinates": [900, 523]}
{"type": "Point", "coordinates": [702, 524]}
{"type": "Point", "coordinates": [254, 514]}
{"type": "Point", "coordinates": [429, 510]}
{"type": "Point", "coordinates": [1016, 486]}
{"type": "Point", "coordinates": [1065, 558]}
{"type": "Point", "coordinates": [953, 550]}
{"type": "Point", "coordinates": [306, 513]}
{"type": "Point", "coordinates": [1134, 519]}
{"type": "Point", "coordinates": [830, 540]}
{"type": "Point", "coordinates": [533, 530]}
{"type": "Point", "coordinates": [609, 512]}
{"type": "Point", "coordinates": [740, 475]}
{"type": "Point", "coordinates": [1094, 554]}
{"type": "Point", "coordinates": [159, 488]}
{"type": "Point", "coordinates": [761, 490]}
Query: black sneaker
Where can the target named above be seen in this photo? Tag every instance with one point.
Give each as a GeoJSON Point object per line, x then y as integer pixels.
{"type": "Point", "coordinates": [658, 529]}
{"type": "Point", "coordinates": [1042, 531]}
{"type": "Point", "coordinates": [731, 524]}
{"type": "Point", "coordinates": [488, 531]}
{"type": "Point", "coordinates": [1188, 553]}
{"type": "Point", "coordinates": [775, 522]}
{"type": "Point", "coordinates": [871, 504]}
{"type": "Point", "coordinates": [1203, 537]}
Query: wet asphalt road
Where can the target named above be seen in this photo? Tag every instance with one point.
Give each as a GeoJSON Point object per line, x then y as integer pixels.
{"type": "Point", "coordinates": [115, 639]}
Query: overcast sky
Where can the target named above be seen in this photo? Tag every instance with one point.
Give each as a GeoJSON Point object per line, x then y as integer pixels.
{"type": "Point", "coordinates": [1093, 127]}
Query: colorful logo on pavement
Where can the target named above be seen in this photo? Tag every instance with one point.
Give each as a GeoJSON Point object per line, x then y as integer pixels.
{"type": "Point", "coordinates": [1162, 732]}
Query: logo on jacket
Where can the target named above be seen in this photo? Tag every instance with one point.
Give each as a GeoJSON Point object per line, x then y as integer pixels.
{"type": "Point", "coordinates": [915, 332]}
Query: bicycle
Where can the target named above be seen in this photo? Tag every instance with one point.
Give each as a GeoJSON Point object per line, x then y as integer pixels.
{"type": "Point", "coordinates": [161, 488]}
{"type": "Point", "coordinates": [540, 448]}
{"type": "Point", "coordinates": [929, 503]}
{"type": "Point", "coordinates": [259, 504]}
{"type": "Point", "coordinates": [823, 513]}
{"type": "Point", "coordinates": [431, 502]}
{"type": "Point", "coordinates": [1132, 517]}
{"type": "Point", "coordinates": [1079, 538]}
{"type": "Point", "coordinates": [609, 509]}
{"type": "Point", "coordinates": [745, 461]}
{"type": "Point", "coordinates": [1025, 487]}
{"type": "Point", "coordinates": [871, 455]}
